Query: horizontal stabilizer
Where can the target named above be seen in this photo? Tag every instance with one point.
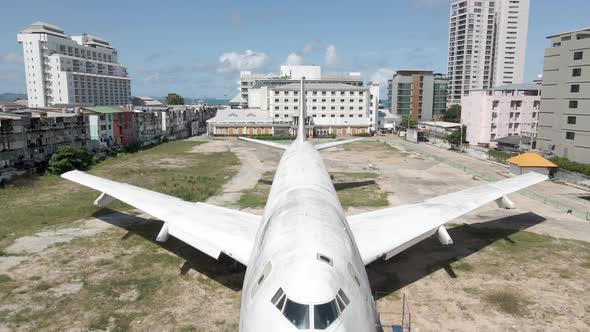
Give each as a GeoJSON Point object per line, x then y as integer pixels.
{"type": "Point", "coordinates": [328, 145]}
{"type": "Point", "coordinates": [267, 143]}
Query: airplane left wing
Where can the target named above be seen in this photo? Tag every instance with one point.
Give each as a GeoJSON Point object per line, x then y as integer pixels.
{"type": "Point", "coordinates": [387, 232]}
{"type": "Point", "coordinates": [208, 228]}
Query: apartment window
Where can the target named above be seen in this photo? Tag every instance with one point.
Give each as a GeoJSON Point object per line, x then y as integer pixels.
{"type": "Point", "coordinates": [574, 88]}
{"type": "Point", "coordinates": [577, 72]}
{"type": "Point", "coordinates": [313, 108]}
{"type": "Point", "coordinates": [276, 100]}
{"type": "Point", "coordinates": [573, 104]}
{"type": "Point", "coordinates": [578, 55]}
{"type": "Point", "coordinates": [571, 120]}
{"type": "Point", "coordinates": [570, 135]}
{"type": "Point", "coordinates": [315, 93]}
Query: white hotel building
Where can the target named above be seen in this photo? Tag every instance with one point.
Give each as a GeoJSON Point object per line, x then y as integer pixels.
{"type": "Point", "coordinates": [69, 70]}
{"type": "Point", "coordinates": [334, 106]}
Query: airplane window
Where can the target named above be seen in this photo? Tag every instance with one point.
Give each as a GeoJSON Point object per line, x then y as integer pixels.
{"type": "Point", "coordinates": [325, 314]}
{"type": "Point", "coordinates": [325, 259]}
{"type": "Point", "coordinates": [297, 314]}
{"type": "Point", "coordinates": [341, 304]}
{"type": "Point", "coordinates": [343, 296]}
{"type": "Point", "coordinates": [277, 296]}
{"type": "Point", "coordinates": [281, 302]}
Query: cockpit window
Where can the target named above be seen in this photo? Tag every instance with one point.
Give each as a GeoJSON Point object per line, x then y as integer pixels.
{"type": "Point", "coordinates": [325, 314]}
{"type": "Point", "coordinates": [297, 314]}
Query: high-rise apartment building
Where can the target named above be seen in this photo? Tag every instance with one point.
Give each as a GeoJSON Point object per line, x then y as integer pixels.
{"type": "Point", "coordinates": [512, 25]}
{"type": "Point", "coordinates": [67, 70]}
{"type": "Point", "coordinates": [487, 44]}
{"type": "Point", "coordinates": [564, 122]}
{"type": "Point", "coordinates": [419, 93]}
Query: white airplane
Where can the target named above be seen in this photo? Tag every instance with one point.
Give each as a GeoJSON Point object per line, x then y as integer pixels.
{"type": "Point", "coordinates": [305, 258]}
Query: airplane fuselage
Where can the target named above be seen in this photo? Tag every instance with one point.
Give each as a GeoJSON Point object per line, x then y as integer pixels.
{"type": "Point", "coordinates": [305, 270]}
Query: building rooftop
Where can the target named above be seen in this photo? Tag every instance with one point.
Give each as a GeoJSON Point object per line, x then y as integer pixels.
{"type": "Point", "coordinates": [530, 159]}
{"type": "Point", "coordinates": [441, 124]}
{"type": "Point", "coordinates": [145, 101]}
{"type": "Point", "coordinates": [44, 27]}
{"type": "Point", "coordinates": [568, 32]}
{"type": "Point", "coordinates": [106, 109]}
{"type": "Point", "coordinates": [229, 115]}
{"type": "Point", "coordinates": [515, 140]}
{"type": "Point", "coordinates": [319, 86]}
{"type": "Point", "coordinates": [522, 86]}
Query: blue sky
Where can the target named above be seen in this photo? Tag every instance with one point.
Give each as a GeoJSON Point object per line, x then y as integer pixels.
{"type": "Point", "coordinates": [196, 48]}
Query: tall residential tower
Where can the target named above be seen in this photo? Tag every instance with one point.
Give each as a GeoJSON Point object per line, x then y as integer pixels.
{"type": "Point", "coordinates": [66, 70]}
{"type": "Point", "coordinates": [487, 43]}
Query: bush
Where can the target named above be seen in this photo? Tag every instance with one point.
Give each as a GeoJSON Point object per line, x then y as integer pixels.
{"type": "Point", "coordinates": [571, 166]}
{"type": "Point", "coordinates": [500, 155]}
{"type": "Point", "coordinates": [68, 158]}
{"type": "Point", "coordinates": [455, 137]}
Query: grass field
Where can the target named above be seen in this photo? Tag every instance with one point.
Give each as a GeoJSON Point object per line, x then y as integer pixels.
{"type": "Point", "coordinates": [353, 188]}
{"type": "Point", "coordinates": [33, 202]}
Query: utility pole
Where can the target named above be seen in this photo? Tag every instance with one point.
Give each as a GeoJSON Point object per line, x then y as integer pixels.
{"type": "Point", "coordinates": [461, 139]}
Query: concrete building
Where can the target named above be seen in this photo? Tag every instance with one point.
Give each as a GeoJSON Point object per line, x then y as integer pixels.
{"type": "Point", "coordinates": [292, 74]}
{"type": "Point", "coordinates": [419, 93]}
{"type": "Point", "coordinates": [241, 122]}
{"type": "Point", "coordinates": [29, 137]}
{"type": "Point", "coordinates": [564, 123]}
{"type": "Point", "coordinates": [65, 70]}
{"type": "Point", "coordinates": [508, 110]}
{"type": "Point", "coordinates": [334, 108]}
{"type": "Point", "coordinates": [531, 162]}
{"type": "Point", "coordinates": [110, 127]}
{"type": "Point", "coordinates": [487, 45]}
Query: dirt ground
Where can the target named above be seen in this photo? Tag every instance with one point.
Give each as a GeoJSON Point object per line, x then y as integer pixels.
{"type": "Point", "coordinates": [525, 269]}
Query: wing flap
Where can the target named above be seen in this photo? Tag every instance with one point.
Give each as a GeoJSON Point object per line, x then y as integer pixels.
{"type": "Point", "coordinates": [389, 231]}
{"type": "Point", "coordinates": [210, 229]}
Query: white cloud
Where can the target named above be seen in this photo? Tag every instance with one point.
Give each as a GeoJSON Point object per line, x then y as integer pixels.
{"type": "Point", "coordinates": [294, 59]}
{"type": "Point", "coordinates": [249, 60]}
{"type": "Point", "coordinates": [382, 75]}
{"type": "Point", "coordinates": [308, 48]}
{"type": "Point", "coordinates": [11, 58]}
{"type": "Point", "coordinates": [330, 56]}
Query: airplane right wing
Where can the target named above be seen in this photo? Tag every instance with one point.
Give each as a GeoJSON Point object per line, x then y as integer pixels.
{"type": "Point", "coordinates": [390, 231]}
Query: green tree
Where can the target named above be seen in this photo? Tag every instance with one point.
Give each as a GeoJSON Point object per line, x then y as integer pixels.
{"type": "Point", "coordinates": [68, 158]}
{"type": "Point", "coordinates": [453, 114]}
{"type": "Point", "coordinates": [455, 137]}
{"type": "Point", "coordinates": [404, 122]}
{"type": "Point", "coordinates": [174, 99]}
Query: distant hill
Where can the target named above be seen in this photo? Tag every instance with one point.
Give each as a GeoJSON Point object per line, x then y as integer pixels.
{"type": "Point", "coordinates": [12, 96]}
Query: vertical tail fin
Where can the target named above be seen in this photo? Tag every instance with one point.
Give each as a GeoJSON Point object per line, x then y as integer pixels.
{"type": "Point", "coordinates": [301, 132]}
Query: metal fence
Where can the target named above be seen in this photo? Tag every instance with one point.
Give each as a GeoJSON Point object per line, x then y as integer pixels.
{"type": "Point", "coordinates": [390, 321]}
{"type": "Point", "coordinates": [585, 215]}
